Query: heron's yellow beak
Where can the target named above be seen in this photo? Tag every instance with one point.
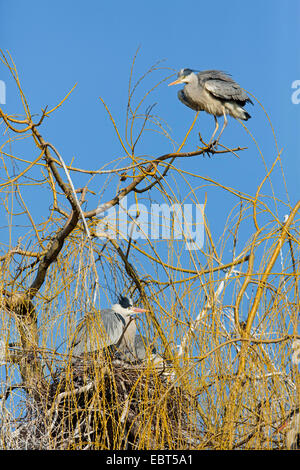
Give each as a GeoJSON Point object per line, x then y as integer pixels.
{"type": "Point", "coordinates": [138, 310]}
{"type": "Point", "coordinates": [176, 82]}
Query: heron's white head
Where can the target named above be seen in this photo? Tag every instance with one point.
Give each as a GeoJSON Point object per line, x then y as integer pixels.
{"type": "Point", "coordinates": [184, 76]}
{"type": "Point", "coordinates": [125, 307]}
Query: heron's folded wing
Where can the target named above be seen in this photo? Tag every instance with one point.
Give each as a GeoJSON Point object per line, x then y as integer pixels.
{"type": "Point", "coordinates": [227, 90]}
{"type": "Point", "coordinates": [214, 75]}
{"type": "Point", "coordinates": [113, 323]}
{"type": "Point", "coordinates": [96, 332]}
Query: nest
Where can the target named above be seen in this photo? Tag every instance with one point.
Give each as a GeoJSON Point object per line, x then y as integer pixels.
{"type": "Point", "coordinates": [101, 404]}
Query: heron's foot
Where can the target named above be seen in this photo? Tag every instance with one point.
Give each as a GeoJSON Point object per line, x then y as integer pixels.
{"type": "Point", "coordinates": [212, 146]}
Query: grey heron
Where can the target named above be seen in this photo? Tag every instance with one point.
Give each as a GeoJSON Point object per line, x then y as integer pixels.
{"type": "Point", "coordinates": [215, 92]}
{"type": "Point", "coordinates": [113, 326]}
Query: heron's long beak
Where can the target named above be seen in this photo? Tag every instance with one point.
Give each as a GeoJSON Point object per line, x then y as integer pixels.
{"type": "Point", "coordinates": [176, 82]}
{"type": "Point", "coordinates": [138, 310]}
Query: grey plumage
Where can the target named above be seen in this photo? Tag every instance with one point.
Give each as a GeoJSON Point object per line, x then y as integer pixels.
{"type": "Point", "coordinates": [98, 330]}
{"type": "Point", "coordinates": [139, 352]}
{"type": "Point", "coordinates": [215, 92]}
{"type": "Point", "coordinates": [113, 332]}
{"type": "Point", "coordinates": [113, 326]}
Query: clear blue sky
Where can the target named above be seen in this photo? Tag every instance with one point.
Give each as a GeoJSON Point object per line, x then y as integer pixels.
{"type": "Point", "coordinates": [56, 44]}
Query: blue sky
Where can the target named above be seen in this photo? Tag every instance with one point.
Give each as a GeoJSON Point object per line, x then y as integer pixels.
{"type": "Point", "coordinates": [57, 44]}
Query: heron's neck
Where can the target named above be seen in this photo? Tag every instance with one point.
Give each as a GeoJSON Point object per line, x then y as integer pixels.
{"type": "Point", "coordinates": [122, 311]}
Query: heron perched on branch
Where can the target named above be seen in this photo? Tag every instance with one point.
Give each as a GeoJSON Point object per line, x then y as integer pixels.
{"type": "Point", "coordinates": [113, 326]}
{"type": "Point", "coordinates": [215, 92]}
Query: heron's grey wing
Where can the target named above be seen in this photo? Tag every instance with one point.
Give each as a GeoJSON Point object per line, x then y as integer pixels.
{"type": "Point", "coordinates": [214, 75]}
{"type": "Point", "coordinates": [80, 339]}
{"type": "Point", "coordinates": [97, 331]}
{"type": "Point", "coordinates": [113, 323]}
{"type": "Point", "coordinates": [229, 91]}
{"type": "Point", "coordinates": [223, 86]}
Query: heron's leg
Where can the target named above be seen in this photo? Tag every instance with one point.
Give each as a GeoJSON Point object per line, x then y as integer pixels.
{"type": "Point", "coordinates": [214, 133]}
{"type": "Point", "coordinates": [224, 125]}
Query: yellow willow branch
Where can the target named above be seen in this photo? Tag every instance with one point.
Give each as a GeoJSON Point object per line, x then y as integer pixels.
{"type": "Point", "coordinates": [232, 408]}
{"type": "Point", "coordinates": [188, 132]}
{"type": "Point", "coordinates": [11, 181]}
{"type": "Point", "coordinates": [61, 102]}
{"type": "Point", "coordinates": [269, 267]}
{"type": "Point", "coordinates": [260, 186]}
{"type": "Point", "coordinates": [244, 287]}
{"type": "Point", "coordinates": [115, 126]}
{"type": "Point", "coordinates": [17, 131]}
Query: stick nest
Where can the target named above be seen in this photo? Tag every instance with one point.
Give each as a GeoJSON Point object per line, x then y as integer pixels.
{"type": "Point", "coordinates": [109, 404]}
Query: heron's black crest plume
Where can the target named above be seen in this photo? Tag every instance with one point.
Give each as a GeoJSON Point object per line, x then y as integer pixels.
{"type": "Point", "coordinates": [124, 302]}
{"type": "Point", "coordinates": [185, 72]}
